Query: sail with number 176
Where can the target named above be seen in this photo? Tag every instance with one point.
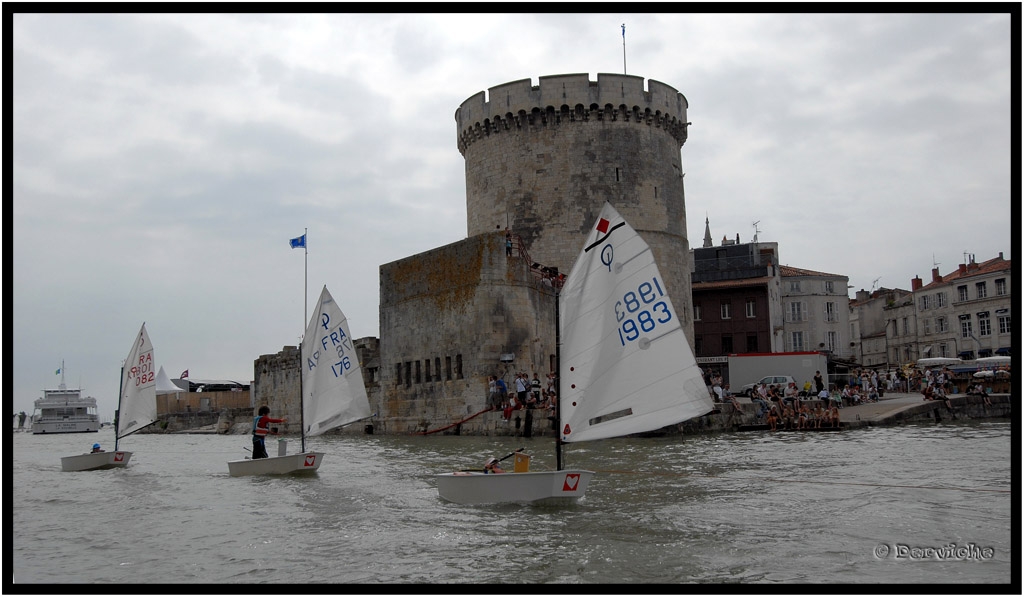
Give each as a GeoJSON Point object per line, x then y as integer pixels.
{"type": "Point", "coordinates": [333, 393]}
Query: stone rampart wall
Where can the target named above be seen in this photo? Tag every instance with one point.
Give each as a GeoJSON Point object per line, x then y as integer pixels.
{"type": "Point", "coordinates": [447, 318]}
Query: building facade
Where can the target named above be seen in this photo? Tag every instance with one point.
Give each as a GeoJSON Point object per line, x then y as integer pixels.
{"type": "Point", "coordinates": [868, 320]}
{"type": "Point", "coordinates": [816, 310]}
{"type": "Point", "coordinates": [965, 313]}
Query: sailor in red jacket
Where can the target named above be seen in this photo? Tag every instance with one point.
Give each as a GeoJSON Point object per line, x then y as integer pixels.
{"type": "Point", "coordinates": [260, 429]}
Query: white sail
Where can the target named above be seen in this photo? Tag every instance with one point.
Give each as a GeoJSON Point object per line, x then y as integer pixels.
{"type": "Point", "coordinates": [138, 388]}
{"type": "Point", "coordinates": [626, 365]}
{"type": "Point", "coordinates": [332, 380]}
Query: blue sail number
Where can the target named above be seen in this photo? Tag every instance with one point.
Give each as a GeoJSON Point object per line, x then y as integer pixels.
{"type": "Point", "coordinates": [641, 310]}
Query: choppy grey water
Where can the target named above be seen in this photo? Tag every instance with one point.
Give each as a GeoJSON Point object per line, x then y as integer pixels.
{"type": "Point", "coordinates": [822, 508]}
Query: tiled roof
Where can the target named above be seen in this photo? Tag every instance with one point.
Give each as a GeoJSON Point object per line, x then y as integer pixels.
{"type": "Point", "coordinates": [991, 266]}
{"type": "Point", "coordinates": [788, 270]}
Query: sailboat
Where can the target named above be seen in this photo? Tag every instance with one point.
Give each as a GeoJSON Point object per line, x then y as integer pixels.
{"type": "Point", "coordinates": [136, 406]}
{"type": "Point", "coordinates": [625, 365]}
{"type": "Point", "coordinates": [332, 391]}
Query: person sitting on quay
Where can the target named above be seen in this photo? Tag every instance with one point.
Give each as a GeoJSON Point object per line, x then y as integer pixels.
{"type": "Point", "coordinates": [788, 417]}
{"type": "Point", "coordinates": [791, 394]}
{"type": "Point", "coordinates": [872, 394]}
{"type": "Point", "coordinates": [819, 415]}
{"type": "Point", "coordinates": [773, 419]}
{"type": "Point", "coordinates": [928, 393]}
{"type": "Point", "coordinates": [762, 404]}
{"type": "Point", "coordinates": [825, 418]}
{"type": "Point", "coordinates": [803, 417]}
{"type": "Point", "coordinates": [728, 396]}
{"type": "Point", "coordinates": [979, 390]}
{"type": "Point", "coordinates": [826, 398]}
{"type": "Point", "coordinates": [940, 394]}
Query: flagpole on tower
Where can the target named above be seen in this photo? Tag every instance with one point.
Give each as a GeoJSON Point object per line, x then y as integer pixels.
{"type": "Point", "coordinates": [623, 48]}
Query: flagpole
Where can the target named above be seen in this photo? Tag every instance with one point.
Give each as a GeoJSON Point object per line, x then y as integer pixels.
{"type": "Point", "coordinates": [623, 48]}
{"type": "Point", "coordinates": [305, 306]}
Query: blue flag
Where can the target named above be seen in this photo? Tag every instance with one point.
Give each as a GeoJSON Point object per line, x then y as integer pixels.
{"type": "Point", "coordinates": [298, 242]}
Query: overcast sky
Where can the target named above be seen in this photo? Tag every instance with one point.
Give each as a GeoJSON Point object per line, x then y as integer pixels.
{"type": "Point", "coordinates": [161, 163]}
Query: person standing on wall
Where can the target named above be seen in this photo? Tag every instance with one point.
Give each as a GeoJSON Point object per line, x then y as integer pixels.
{"type": "Point", "coordinates": [522, 383]}
{"type": "Point", "coordinates": [819, 382]}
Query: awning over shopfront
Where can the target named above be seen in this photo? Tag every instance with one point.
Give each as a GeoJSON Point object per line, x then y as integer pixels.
{"type": "Point", "coordinates": [966, 355]}
{"type": "Point", "coordinates": [984, 352]}
{"type": "Point", "coordinates": [1005, 350]}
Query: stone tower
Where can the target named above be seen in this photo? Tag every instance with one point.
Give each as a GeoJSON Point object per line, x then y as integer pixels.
{"type": "Point", "coordinates": [543, 159]}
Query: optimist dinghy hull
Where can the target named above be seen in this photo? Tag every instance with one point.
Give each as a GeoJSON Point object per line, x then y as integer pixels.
{"type": "Point", "coordinates": [95, 461]}
{"type": "Point", "coordinates": [303, 463]}
{"type": "Point", "coordinates": [565, 486]}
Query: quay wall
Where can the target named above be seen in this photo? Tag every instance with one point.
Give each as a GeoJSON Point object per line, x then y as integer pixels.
{"type": "Point", "coordinates": [727, 419]}
{"type": "Point", "coordinates": [960, 408]}
{"type": "Point", "coordinates": [227, 420]}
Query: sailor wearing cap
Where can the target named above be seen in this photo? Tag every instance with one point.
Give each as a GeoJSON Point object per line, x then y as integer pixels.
{"type": "Point", "coordinates": [491, 466]}
{"type": "Point", "coordinates": [96, 448]}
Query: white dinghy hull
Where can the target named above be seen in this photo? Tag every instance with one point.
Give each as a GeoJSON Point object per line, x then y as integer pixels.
{"type": "Point", "coordinates": [303, 463]}
{"type": "Point", "coordinates": [94, 461]}
{"type": "Point", "coordinates": [541, 487]}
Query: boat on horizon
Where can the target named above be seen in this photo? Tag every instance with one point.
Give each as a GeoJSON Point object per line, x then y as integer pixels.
{"type": "Point", "coordinates": [64, 410]}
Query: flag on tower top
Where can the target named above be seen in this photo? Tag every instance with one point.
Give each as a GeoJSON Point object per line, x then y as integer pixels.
{"type": "Point", "coordinates": [298, 242]}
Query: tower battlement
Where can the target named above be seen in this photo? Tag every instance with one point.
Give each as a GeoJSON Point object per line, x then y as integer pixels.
{"type": "Point", "coordinates": [571, 98]}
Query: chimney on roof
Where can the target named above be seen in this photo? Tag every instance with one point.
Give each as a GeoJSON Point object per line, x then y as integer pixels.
{"type": "Point", "coordinates": [1000, 255]}
{"type": "Point", "coordinates": [935, 275]}
{"type": "Point", "coordinates": [963, 268]}
{"type": "Point", "coordinates": [916, 284]}
{"type": "Point", "coordinates": [863, 295]}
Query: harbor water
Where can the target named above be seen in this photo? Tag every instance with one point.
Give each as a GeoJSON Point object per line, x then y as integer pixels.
{"type": "Point", "coordinates": [907, 505]}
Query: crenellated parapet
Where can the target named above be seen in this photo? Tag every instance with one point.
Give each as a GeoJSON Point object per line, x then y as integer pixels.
{"type": "Point", "coordinates": [564, 99]}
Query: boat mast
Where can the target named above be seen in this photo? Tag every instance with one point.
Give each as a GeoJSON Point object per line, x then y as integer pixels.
{"type": "Point", "coordinates": [302, 400]}
{"type": "Point", "coordinates": [558, 387]}
{"type": "Point", "coordinates": [117, 413]}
